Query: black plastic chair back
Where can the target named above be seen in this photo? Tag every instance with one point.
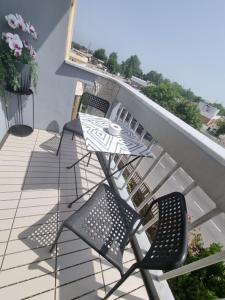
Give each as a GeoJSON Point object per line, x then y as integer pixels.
{"type": "Point", "coordinates": [105, 222]}
{"type": "Point", "coordinates": [89, 100]}
{"type": "Point", "coordinates": [169, 248]}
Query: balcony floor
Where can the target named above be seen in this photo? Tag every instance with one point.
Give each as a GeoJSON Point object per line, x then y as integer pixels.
{"type": "Point", "coordinates": [35, 188]}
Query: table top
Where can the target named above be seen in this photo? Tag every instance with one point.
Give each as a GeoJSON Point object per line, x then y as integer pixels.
{"type": "Point", "coordinates": [98, 139]}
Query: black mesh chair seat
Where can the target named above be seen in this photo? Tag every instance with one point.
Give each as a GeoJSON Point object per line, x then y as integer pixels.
{"type": "Point", "coordinates": [105, 222]}
{"type": "Point", "coordinates": [74, 126]}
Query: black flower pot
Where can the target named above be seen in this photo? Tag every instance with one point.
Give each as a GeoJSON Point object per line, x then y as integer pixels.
{"type": "Point", "coordinates": [25, 76]}
{"type": "Point", "coordinates": [24, 71]}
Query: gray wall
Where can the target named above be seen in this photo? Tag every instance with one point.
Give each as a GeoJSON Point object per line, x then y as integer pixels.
{"type": "Point", "coordinates": [54, 98]}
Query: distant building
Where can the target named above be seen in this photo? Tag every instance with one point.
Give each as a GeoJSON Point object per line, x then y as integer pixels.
{"type": "Point", "coordinates": [80, 56]}
{"type": "Point", "coordinates": [208, 113]}
{"type": "Point", "coordinates": [98, 63]}
{"type": "Point", "coordinates": [138, 83]}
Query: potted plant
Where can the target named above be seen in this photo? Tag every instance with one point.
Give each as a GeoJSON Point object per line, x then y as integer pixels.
{"type": "Point", "coordinates": [18, 68]}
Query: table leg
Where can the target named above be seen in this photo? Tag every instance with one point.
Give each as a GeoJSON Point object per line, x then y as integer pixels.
{"type": "Point", "coordinates": [110, 160]}
{"type": "Point", "coordinates": [69, 167]}
{"type": "Point", "coordinates": [89, 158]}
{"type": "Point", "coordinates": [104, 179]}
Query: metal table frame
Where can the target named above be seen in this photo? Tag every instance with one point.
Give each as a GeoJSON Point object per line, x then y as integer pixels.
{"type": "Point", "coordinates": [121, 152]}
{"type": "Point", "coordinates": [104, 179]}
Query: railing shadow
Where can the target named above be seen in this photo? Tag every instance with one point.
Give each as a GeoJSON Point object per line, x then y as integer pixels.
{"type": "Point", "coordinates": [72, 262]}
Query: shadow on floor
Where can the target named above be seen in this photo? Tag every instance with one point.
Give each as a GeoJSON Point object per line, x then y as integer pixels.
{"type": "Point", "coordinates": [74, 265]}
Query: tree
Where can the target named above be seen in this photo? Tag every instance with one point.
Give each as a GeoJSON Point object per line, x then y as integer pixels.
{"type": "Point", "coordinates": [221, 128]}
{"type": "Point", "coordinates": [164, 94]}
{"type": "Point", "coordinates": [131, 67]}
{"type": "Point", "coordinates": [154, 77]}
{"type": "Point", "coordinates": [220, 107]}
{"type": "Point", "coordinates": [157, 78]}
{"type": "Point", "coordinates": [112, 63]}
{"type": "Point", "coordinates": [204, 284]}
{"type": "Point", "coordinates": [189, 113]}
{"type": "Point", "coordinates": [198, 99]}
{"type": "Point", "coordinates": [100, 54]}
{"type": "Point", "coordinates": [168, 96]}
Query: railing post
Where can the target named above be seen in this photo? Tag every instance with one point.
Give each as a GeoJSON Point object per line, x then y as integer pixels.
{"type": "Point", "coordinates": [120, 112]}
{"type": "Point", "coordinates": [189, 188]}
{"type": "Point", "coordinates": [124, 117]}
{"type": "Point", "coordinates": [209, 215]}
{"type": "Point", "coordinates": [146, 175]}
{"type": "Point", "coordinates": [199, 264]}
{"type": "Point", "coordinates": [148, 224]}
{"type": "Point", "coordinates": [121, 172]}
{"type": "Point", "coordinates": [121, 156]}
{"type": "Point", "coordinates": [161, 182]}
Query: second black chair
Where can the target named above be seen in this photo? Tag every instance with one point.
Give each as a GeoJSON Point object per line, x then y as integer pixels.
{"type": "Point", "coordinates": [87, 100]}
{"type": "Point", "coordinates": [106, 223]}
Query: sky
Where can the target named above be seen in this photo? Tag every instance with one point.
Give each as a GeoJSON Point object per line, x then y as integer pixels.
{"type": "Point", "coordinates": [182, 39]}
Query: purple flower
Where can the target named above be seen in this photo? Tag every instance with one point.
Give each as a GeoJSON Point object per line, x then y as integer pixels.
{"type": "Point", "coordinates": [26, 44]}
{"type": "Point", "coordinates": [22, 24]}
{"type": "Point", "coordinates": [32, 52]}
{"type": "Point", "coordinates": [15, 42]}
{"type": "Point", "coordinates": [32, 31]}
{"type": "Point", "coordinates": [7, 36]}
{"type": "Point", "coordinates": [12, 21]}
{"type": "Point", "coordinates": [17, 52]}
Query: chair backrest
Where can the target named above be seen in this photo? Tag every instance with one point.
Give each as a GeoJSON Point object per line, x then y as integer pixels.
{"type": "Point", "coordinates": [169, 248]}
{"type": "Point", "coordinates": [89, 100]}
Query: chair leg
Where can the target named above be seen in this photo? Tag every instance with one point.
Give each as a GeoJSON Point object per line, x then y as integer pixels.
{"type": "Point", "coordinates": [123, 278]}
{"type": "Point", "coordinates": [60, 143]}
{"type": "Point", "coordinates": [57, 237]}
{"type": "Point", "coordinates": [89, 158]}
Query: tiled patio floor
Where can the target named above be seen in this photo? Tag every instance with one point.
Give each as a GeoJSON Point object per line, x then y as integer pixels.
{"type": "Point", "coordinates": [35, 188]}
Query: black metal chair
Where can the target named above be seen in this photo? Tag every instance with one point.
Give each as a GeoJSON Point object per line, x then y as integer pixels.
{"type": "Point", "coordinates": [87, 100]}
{"type": "Point", "coordinates": [107, 223]}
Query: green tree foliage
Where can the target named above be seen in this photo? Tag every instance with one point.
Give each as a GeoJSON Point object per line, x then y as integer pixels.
{"type": "Point", "coordinates": [112, 63]}
{"type": "Point", "coordinates": [220, 107]}
{"type": "Point", "coordinates": [163, 94]}
{"type": "Point", "coordinates": [100, 54]}
{"type": "Point", "coordinates": [189, 113]}
{"type": "Point", "coordinates": [154, 77]}
{"type": "Point", "coordinates": [221, 128]}
{"type": "Point", "coordinates": [168, 96]}
{"type": "Point", "coordinates": [186, 93]}
{"type": "Point", "coordinates": [157, 78]}
{"type": "Point", "coordinates": [204, 284]}
{"type": "Point", "coordinates": [131, 67]}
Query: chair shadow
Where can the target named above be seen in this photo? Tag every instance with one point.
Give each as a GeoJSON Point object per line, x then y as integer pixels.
{"type": "Point", "coordinates": [51, 145]}
{"type": "Point", "coordinates": [65, 263]}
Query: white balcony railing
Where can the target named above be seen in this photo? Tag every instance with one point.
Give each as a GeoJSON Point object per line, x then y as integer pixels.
{"type": "Point", "coordinates": [202, 160]}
